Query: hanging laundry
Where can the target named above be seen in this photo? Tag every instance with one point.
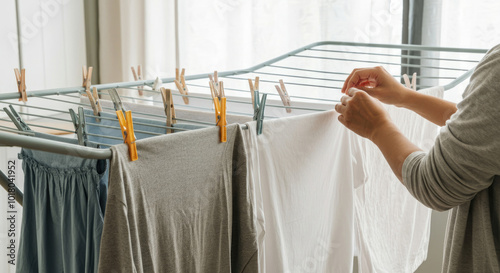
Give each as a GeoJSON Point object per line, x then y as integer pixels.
{"type": "Point", "coordinates": [303, 176]}
{"type": "Point", "coordinates": [62, 211]}
{"type": "Point", "coordinates": [393, 228]}
{"type": "Point", "coordinates": [183, 206]}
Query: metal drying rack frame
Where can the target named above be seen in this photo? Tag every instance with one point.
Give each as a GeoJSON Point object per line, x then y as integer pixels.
{"type": "Point", "coordinates": [24, 140]}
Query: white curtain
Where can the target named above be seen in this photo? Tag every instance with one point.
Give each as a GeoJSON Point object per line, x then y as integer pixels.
{"type": "Point", "coordinates": [464, 24]}
{"type": "Point", "coordinates": [231, 34]}
{"type": "Point", "coordinates": [136, 33]}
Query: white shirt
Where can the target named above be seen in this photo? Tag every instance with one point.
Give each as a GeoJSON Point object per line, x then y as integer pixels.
{"type": "Point", "coordinates": [303, 174]}
{"type": "Point", "coordinates": [393, 228]}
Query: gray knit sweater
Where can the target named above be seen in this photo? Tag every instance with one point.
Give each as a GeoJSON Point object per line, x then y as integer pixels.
{"type": "Point", "coordinates": [461, 172]}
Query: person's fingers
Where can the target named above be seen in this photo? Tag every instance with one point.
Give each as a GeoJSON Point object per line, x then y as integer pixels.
{"type": "Point", "coordinates": [351, 91]}
{"type": "Point", "coordinates": [340, 108]}
{"type": "Point", "coordinates": [344, 87]}
{"type": "Point", "coordinates": [345, 99]}
{"type": "Point", "coordinates": [341, 118]}
{"type": "Point", "coordinates": [358, 76]}
{"type": "Point", "coordinates": [372, 91]}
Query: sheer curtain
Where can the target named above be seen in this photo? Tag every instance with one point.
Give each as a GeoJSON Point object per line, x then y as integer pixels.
{"type": "Point", "coordinates": [461, 23]}
{"type": "Point", "coordinates": [231, 34]}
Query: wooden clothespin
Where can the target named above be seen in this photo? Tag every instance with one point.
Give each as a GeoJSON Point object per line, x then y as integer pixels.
{"type": "Point", "coordinates": [168, 104]}
{"type": "Point", "coordinates": [138, 77]}
{"type": "Point", "coordinates": [79, 123]}
{"type": "Point", "coordinates": [87, 76]}
{"type": "Point", "coordinates": [258, 113]}
{"type": "Point", "coordinates": [285, 98]}
{"type": "Point", "coordinates": [180, 82]}
{"type": "Point", "coordinates": [21, 84]}
{"type": "Point", "coordinates": [413, 84]}
{"type": "Point", "coordinates": [94, 102]}
{"type": "Point", "coordinates": [127, 127]}
{"type": "Point", "coordinates": [215, 80]}
{"type": "Point", "coordinates": [16, 119]}
{"type": "Point", "coordinates": [220, 109]}
{"type": "Point", "coordinates": [253, 88]}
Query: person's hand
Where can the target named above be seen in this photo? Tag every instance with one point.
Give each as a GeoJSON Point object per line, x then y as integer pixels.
{"type": "Point", "coordinates": [377, 82]}
{"type": "Point", "coordinates": [362, 114]}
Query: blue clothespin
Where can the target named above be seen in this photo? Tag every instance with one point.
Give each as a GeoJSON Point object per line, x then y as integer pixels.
{"type": "Point", "coordinates": [259, 107]}
{"type": "Point", "coordinates": [117, 102]}
{"type": "Point", "coordinates": [79, 123]}
{"type": "Point", "coordinates": [16, 119]}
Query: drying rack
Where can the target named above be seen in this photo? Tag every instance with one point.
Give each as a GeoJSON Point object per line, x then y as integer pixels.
{"type": "Point", "coordinates": [319, 68]}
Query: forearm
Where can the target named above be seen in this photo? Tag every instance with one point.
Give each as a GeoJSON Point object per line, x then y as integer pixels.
{"type": "Point", "coordinates": [394, 146]}
{"type": "Point", "coordinates": [436, 110]}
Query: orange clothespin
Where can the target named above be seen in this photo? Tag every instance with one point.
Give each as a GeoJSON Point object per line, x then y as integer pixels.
{"type": "Point", "coordinates": [127, 127]}
{"type": "Point", "coordinates": [138, 77]}
{"type": "Point", "coordinates": [168, 104]}
{"type": "Point", "coordinates": [253, 88]}
{"type": "Point", "coordinates": [285, 98]}
{"type": "Point", "coordinates": [21, 84]}
{"type": "Point", "coordinates": [220, 109]}
{"type": "Point", "coordinates": [180, 82]}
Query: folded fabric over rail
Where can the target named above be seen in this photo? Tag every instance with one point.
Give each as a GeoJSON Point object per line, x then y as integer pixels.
{"type": "Point", "coordinates": [183, 206]}
{"type": "Point", "coordinates": [303, 173]}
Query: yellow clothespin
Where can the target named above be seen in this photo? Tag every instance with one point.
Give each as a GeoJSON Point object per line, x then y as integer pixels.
{"type": "Point", "coordinates": [94, 102]}
{"type": "Point", "coordinates": [285, 98]}
{"type": "Point", "coordinates": [220, 109]}
{"type": "Point", "coordinates": [138, 77]}
{"type": "Point", "coordinates": [168, 104]}
{"type": "Point", "coordinates": [180, 82]}
{"type": "Point", "coordinates": [253, 88]}
{"type": "Point", "coordinates": [21, 84]}
{"type": "Point", "coordinates": [127, 127]}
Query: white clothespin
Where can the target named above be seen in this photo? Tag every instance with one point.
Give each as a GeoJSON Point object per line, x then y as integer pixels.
{"type": "Point", "coordinates": [413, 84]}
{"type": "Point", "coordinates": [180, 82]}
{"type": "Point", "coordinates": [138, 77]}
{"type": "Point", "coordinates": [157, 84]}
{"type": "Point", "coordinates": [285, 98]}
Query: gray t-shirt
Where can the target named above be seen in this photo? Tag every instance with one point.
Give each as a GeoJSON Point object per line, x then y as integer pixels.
{"type": "Point", "coordinates": [462, 172]}
{"type": "Point", "coordinates": [183, 206]}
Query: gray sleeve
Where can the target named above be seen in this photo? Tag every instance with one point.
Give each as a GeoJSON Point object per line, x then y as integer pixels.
{"type": "Point", "coordinates": [466, 155]}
